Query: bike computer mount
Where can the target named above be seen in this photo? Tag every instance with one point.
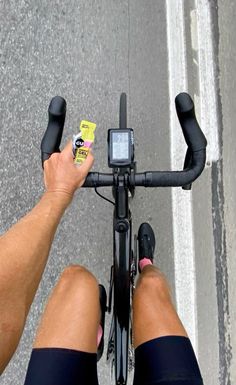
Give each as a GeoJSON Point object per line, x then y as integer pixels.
{"type": "Point", "coordinates": [120, 147]}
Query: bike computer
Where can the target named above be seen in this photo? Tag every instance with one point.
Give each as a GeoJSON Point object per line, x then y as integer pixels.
{"type": "Point", "coordinates": [120, 147]}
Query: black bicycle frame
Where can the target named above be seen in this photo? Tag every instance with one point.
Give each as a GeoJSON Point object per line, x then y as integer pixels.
{"type": "Point", "coordinates": [122, 230]}
{"type": "Point", "coordinates": [124, 181]}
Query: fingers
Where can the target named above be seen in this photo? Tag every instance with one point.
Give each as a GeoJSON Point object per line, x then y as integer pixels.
{"type": "Point", "coordinates": [86, 165]}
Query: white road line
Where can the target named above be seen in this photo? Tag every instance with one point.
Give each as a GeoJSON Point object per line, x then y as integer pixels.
{"type": "Point", "coordinates": [202, 44]}
{"type": "Point", "coordinates": [181, 200]}
{"type": "Point", "coordinates": [207, 79]}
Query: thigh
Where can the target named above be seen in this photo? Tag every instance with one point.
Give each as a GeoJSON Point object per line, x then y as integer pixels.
{"type": "Point", "coordinates": [168, 360]}
{"type": "Point", "coordinates": [71, 317]}
{"type": "Point", "coordinates": [57, 366]}
{"type": "Point", "coordinates": [154, 314]}
{"type": "Point", "coordinates": [65, 347]}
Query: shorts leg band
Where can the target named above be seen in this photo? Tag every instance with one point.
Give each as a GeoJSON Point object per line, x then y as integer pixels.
{"type": "Point", "coordinates": [58, 366]}
{"type": "Point", "coordinates": [168, 360]}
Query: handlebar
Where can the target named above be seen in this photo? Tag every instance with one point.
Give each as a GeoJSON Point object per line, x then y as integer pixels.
{"type": "Point", "coordinates": [53, 134]}
{"type": "Point", "coordinates": [194, 160]}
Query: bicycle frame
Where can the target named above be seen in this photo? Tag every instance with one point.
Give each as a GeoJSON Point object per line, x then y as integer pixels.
{"type": "Point", "coordinates": [120, 281]}
{"type": "Point", "coordinates": [123, 181]}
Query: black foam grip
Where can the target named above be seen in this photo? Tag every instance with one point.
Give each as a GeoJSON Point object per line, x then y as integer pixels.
{"type": "Point", "coordinates": [193, 134]}
{"type": "Point", "coordinates": [56, 118]}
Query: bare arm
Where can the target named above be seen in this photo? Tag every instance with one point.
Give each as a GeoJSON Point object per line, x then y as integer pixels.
{"type": "Point", "coordinates": [24, 251]}
{"type": "Point", "coordinates": [24, 248]}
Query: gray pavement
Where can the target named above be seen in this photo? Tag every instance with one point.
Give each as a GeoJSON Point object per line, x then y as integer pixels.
{"type": "Point", "coordinates": [89, 52]}
{"type": "Point", "coordinates": [227, 83]}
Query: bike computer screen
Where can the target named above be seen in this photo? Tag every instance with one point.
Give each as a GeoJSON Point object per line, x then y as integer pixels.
{"type": "Point", "coordinates": [120, 147]}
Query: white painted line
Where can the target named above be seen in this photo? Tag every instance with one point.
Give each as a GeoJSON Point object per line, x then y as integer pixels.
{"type": "Point", "coordinates": [181, 200]}
{"type": "Point", "coordinates": [207, 79]}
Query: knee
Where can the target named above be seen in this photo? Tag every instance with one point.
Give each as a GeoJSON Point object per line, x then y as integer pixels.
{"type": "Point", "coordinates": [153, 282]}
{"type": "Point", "coordinates": [78, 278]}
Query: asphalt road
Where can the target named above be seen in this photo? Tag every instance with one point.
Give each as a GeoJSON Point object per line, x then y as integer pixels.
{"type": "Point", "coordinates": [88, 52]}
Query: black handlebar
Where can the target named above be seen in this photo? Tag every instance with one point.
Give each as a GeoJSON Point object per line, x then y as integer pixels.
{"type": "Point", "coordinates": [193, 134]}
{"type": "Point", "coordinates": [56, 119]}
{"type": "Point", "coordinates": [194, 161]}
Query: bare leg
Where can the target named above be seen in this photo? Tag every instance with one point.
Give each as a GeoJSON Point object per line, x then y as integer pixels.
{"type": "Point", "coordinates": [72, 314]}
{"type": "Point", "coordinates": [154, 314]}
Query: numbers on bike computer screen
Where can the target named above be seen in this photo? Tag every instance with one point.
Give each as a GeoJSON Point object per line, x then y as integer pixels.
{"type": "Point", "coordinates": [120, 145]}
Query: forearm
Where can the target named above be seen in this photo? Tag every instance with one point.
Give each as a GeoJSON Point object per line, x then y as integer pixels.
{"type": "Point", "coordinates": [24, 250]}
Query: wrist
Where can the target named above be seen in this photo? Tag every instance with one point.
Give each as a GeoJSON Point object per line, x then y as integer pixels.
{"type": "Point", "coordinates": [61, 198]}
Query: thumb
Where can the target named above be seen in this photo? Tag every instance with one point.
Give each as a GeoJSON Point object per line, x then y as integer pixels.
{"type": "Point", "coordinates": [67, 150]}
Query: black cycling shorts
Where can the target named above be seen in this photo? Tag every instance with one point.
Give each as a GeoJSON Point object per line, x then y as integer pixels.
{"type": "Point", "coordinates": [168, 360]}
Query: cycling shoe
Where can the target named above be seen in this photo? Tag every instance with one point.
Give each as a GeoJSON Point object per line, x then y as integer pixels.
{"type": "Point", "coordinates": [146, 242]}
